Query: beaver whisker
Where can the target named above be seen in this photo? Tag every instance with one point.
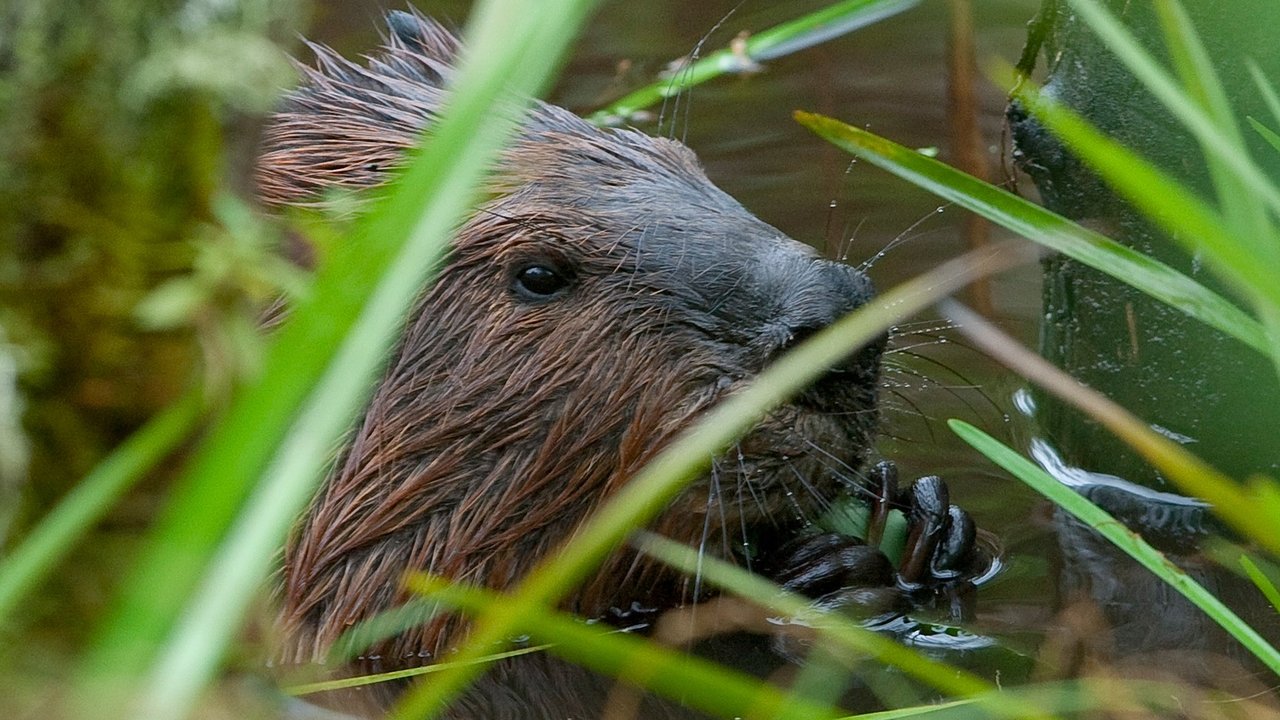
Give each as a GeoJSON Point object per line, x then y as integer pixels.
{"type": "Point", "coordinates": [684, 66]}
{"type": "Point", "coordinates": [894, 366]}
{"type": "Point", "coordinates": [848, 413]}
{"type": "Point", "coordinates": [745, 535]}
{"type": "Point", "coordinates": [821, 500]}
{"type": "Point", "coordinates": [846, 245]}
{"type": "Point", "coordinates": [917, 345]}
{"type": "Point", "coordinates": [902, 238]}
{"type": "Point", "coordinates": [745, 479]}
{"type": "Point", "coordinates": [842, 470]}
{"type": "Point", "coordinates": [927, 321]}
{"type": "Point", "coordinates": [713, 505]}
{"type": "Point", "coordinates": [894, 372]}
{"type": "Point", "coordinates": [953, 391]}
{"type": "Point", "coordinates": [915, 411]}
{"type": "Point", "coordinates": [793, 499]}
{"type": "Point", "coordinates": [831, 465]}
{"type": "Point", "coordinates": [911, 408]}
{"type": "Point", "coordinates": [922, 327]}
{"type": "Point", "coordinates": [945, 339]}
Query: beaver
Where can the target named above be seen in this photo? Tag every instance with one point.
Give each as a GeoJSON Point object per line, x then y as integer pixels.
{"type": "Point", "coordinates": [597, 303]}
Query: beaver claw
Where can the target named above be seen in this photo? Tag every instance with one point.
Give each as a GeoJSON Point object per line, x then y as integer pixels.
{"type": "Point", "coordinates": [940, 556]}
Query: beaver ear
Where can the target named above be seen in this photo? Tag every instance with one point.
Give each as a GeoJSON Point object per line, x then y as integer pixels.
{"type": "Point", "coordinates": [426, 41]}
{"type": "Point", "coordinates": [348, 124]}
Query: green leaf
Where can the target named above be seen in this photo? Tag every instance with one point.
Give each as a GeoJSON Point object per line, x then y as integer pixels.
{"type": "Point", "coordinates": [1266, 89]}
{"type": "Point", "coordinates": [830, 22]}
{"type": "Point", "coordinates": [1191, 114]}
{"type": "Point", "coordinates": [698, 683]}
{"type": "Point", "coordinates": [1261, 581]}
{"type": "Point", "coordinates": [1243, 209]}
{"type": "Point", "coordinates": [836, 629]}
{"type": "Point", "coordinates": [1044, 227]}
{"type": "Point", "coordinates": [1113, 530]}
{"type": "Point", "coordinates": [1267, 133]}
{"type": "Point", "coordinates": [93, 496]}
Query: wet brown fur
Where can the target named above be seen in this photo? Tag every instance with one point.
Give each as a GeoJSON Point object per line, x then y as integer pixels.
{"type": "Point", "coordinates": [500, 425]}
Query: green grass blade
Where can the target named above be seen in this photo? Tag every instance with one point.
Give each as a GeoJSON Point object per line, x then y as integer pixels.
{"type": "Point", "coordinates": [1260, 581]}
{"type": "Point", "coordinates": [1244, 211]}
{"type": "Point", "coordinates": [727, 693]}
{"type": "Point", "coordinates": [1267, 133]}
{"type": "Point", "coordinates": [1163, 87]}
{"type": "Point", "coordinates": [1183, 216]}
{"type": "Point", "coordinates": [189, 589]}
{"type": "Point", "coordinates": [830, 22]}
{"type": "Point", "coordinates": [1125, 540]}
{"type": "Point", "coordinates": [1266, 90]}
{"type": "Point", "coordinates": [699, 683]}
{"type": "Point", "coordinates": [1074, 698]}
{"type": "Point", "coordinates": [645, 495]}
{"type": "Point", "coordinates": [362, 680]}
{"type": "Point", "coordinates": [39, 552]}
{"type": "Point", "coordinates": [1178, 211]}
{"type": "Point", "coordinates": [1046, 228]}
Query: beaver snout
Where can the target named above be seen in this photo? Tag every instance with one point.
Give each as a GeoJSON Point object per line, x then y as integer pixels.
{"type": "Point", "coordinates": [814, 294]}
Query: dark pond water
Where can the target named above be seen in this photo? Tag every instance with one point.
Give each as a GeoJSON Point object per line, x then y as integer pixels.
{"type": "Point", "coordinates": [890, 78]}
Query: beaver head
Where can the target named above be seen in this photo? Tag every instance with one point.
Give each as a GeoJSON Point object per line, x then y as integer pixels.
{"type": "Point", "coordinates": [602, 298]}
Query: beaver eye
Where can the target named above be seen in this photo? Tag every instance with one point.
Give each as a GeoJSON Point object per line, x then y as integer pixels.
{"type": "Point", "coordinates": [539, 282]}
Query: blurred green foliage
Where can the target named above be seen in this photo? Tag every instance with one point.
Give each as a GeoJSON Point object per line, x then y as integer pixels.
{"type": "Point", "coordinates": [112, 167]}
{"type": "Point", "coordinates": [127, 262]}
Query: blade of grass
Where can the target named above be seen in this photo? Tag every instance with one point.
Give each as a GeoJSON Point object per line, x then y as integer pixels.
{"type": "Point", "coordinates": [701, 684]}
{"type": "Point", "coordinates": [1180, 212]}
{"type": "Point", "coordinates": [1265, 89]}
{"type": "Point", "coordinates": [689, 455]}
{"type": "Point", "coordinates": [830, 22]}
{"type": "Point", "coordinates": [1046, 228]}
{"type": "Point", "coordinates": [1236, 504]}
{"type": "Point", "coordinates": [55, 535]}
{"type": "Point", "coordinates": [1114, 531]}
{"type": "Point", "coordinates": [1244, 192]}
{"type": "Point", "coordinates": [841, 631]}
{"type": "Point", "coordinates": [695, 681]}
{"type": "Point", "coordinates": [1163, 87]}
{"type": "Point", "coordinates": [1183, 216]}
{"type": "Point", "coordinates": [387, 264]}
{"type": "Point", "coordinates": [362, 680]}
{"type": "Point", "coordinates": [382, 626]}
{"type": "Point", "coordinates": [1267, 133]}
{"type": "Point", "coordinates": [1261, 581]}
{"type": "Point", "coordinates": [1247, 215]}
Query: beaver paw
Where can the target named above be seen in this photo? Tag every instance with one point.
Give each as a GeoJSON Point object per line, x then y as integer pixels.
{"type": "Point", "coordinates": [939, 560]}
{"type": "Point", "coordinates": [838, 572]}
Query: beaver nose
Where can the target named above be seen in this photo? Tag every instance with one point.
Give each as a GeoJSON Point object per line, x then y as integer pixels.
{"type": "Point", "coordinates": [820, 293]}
